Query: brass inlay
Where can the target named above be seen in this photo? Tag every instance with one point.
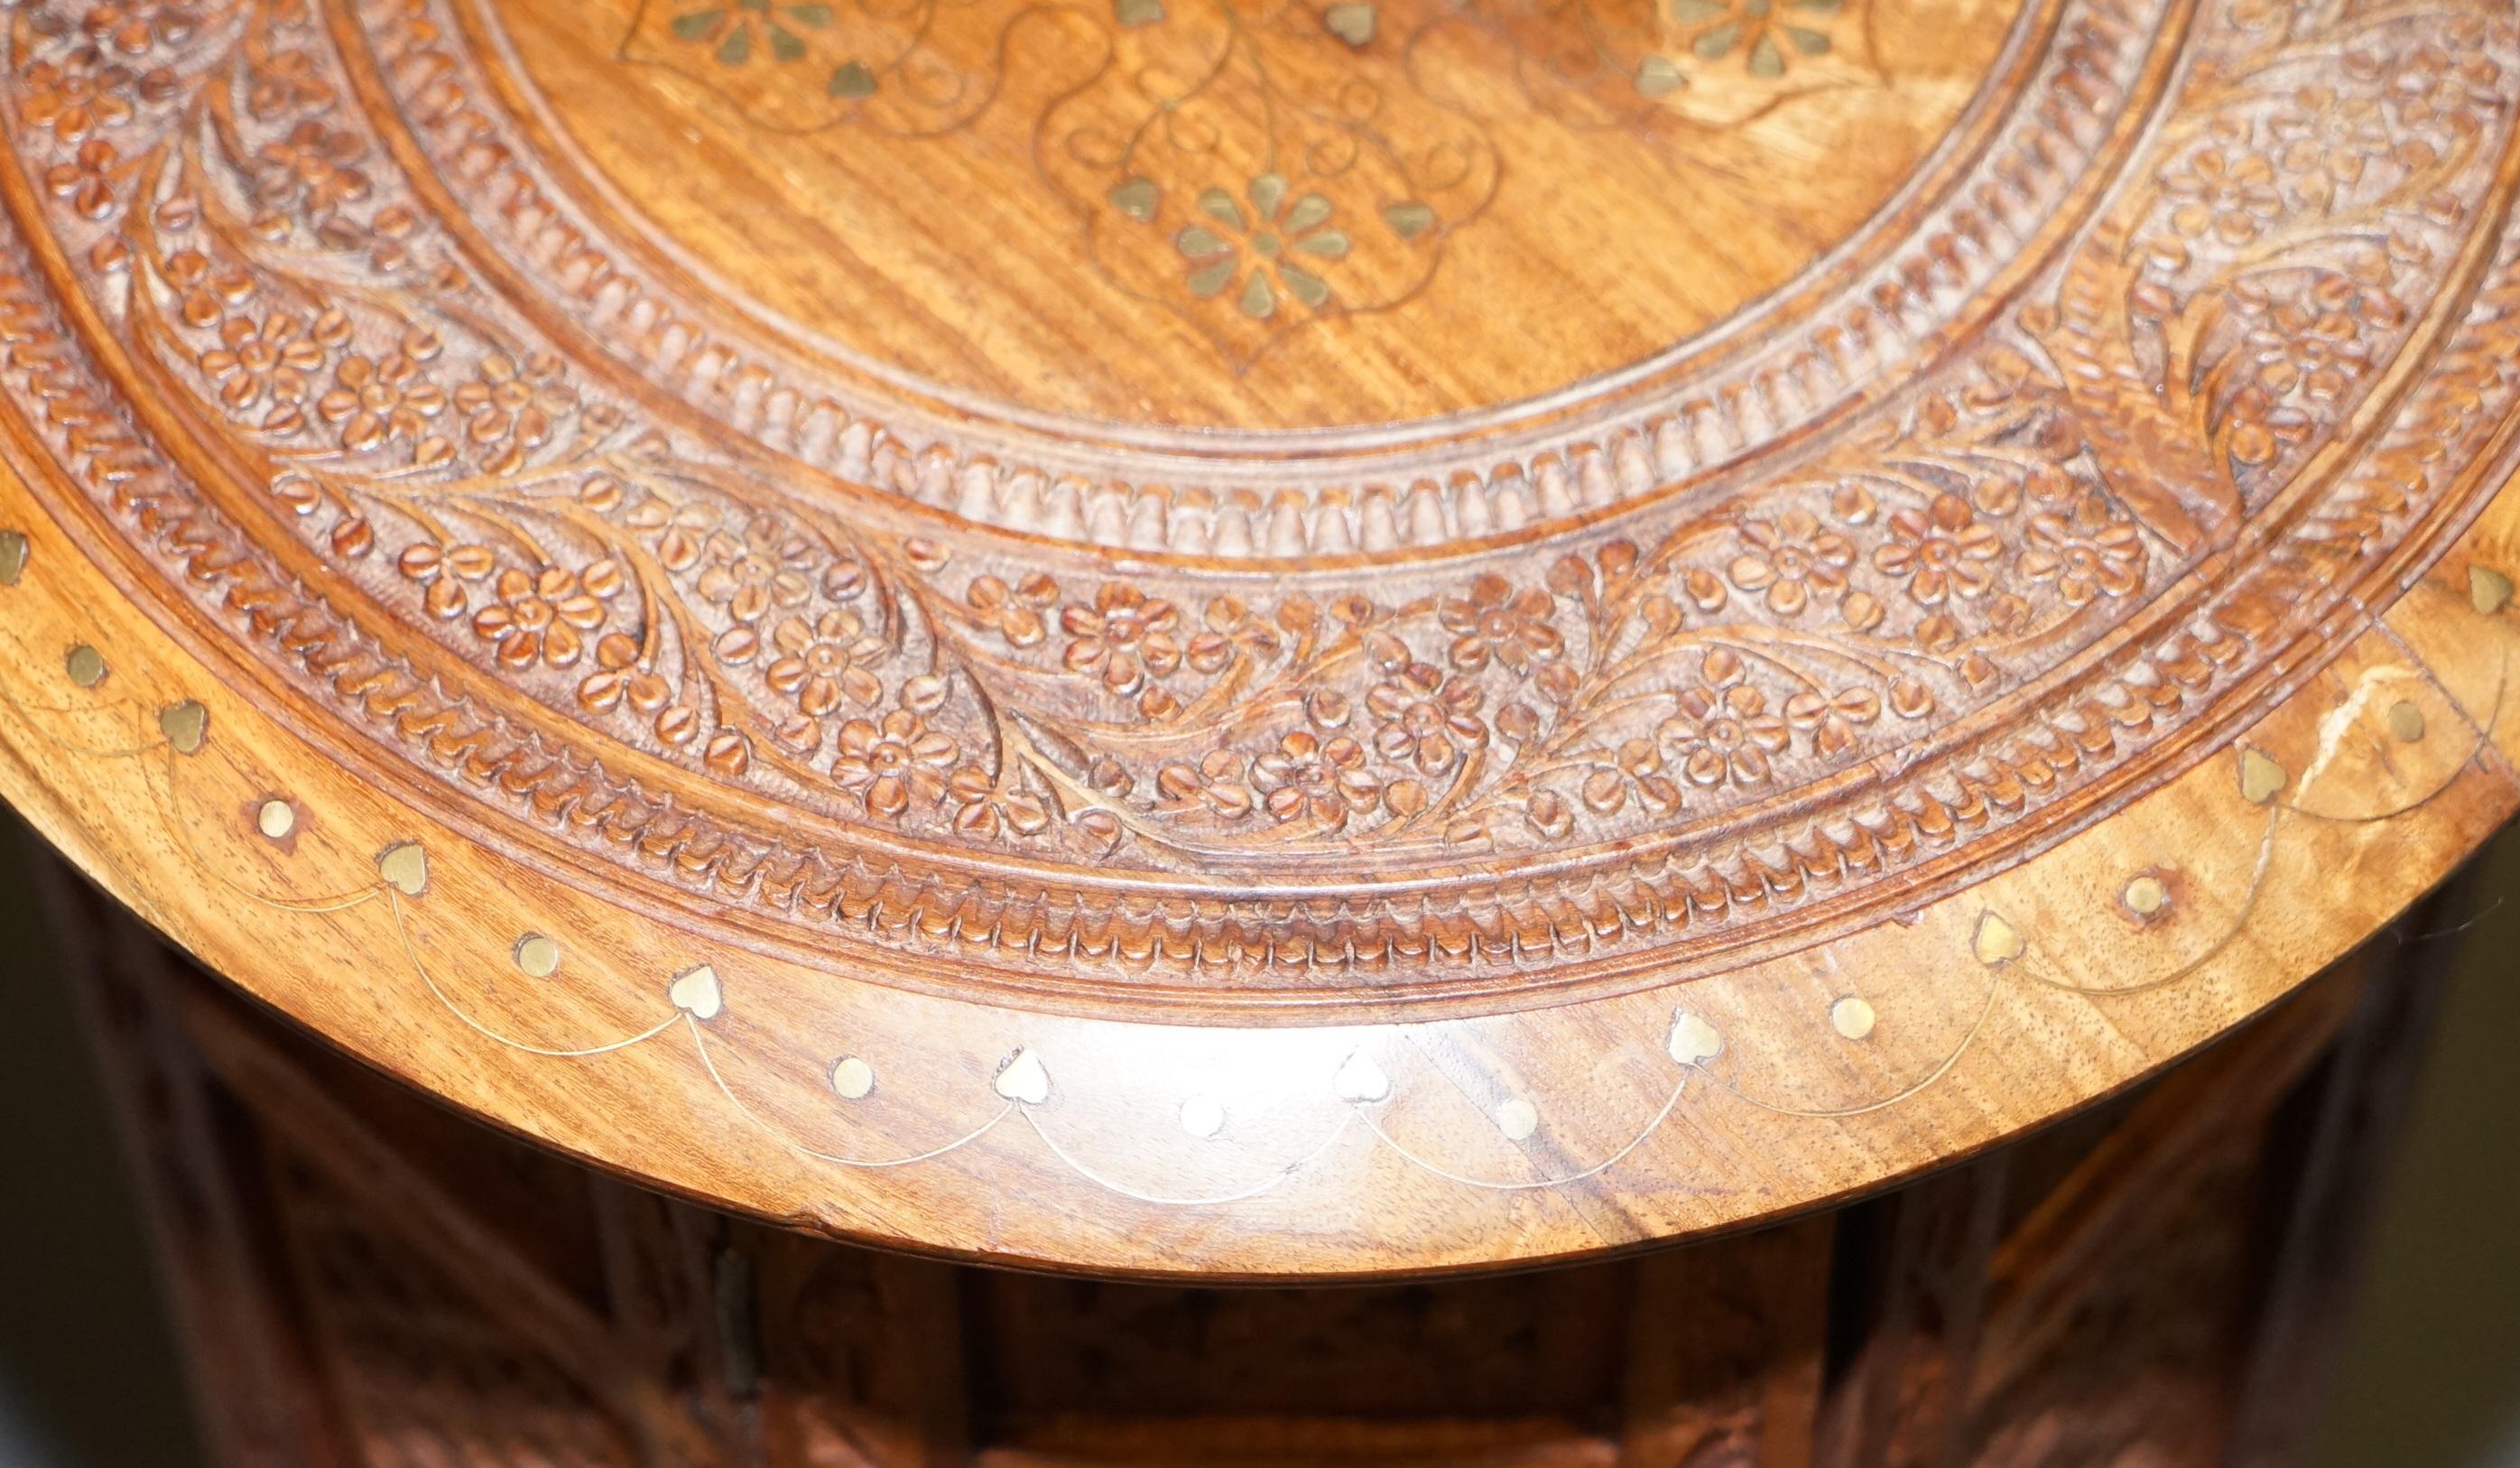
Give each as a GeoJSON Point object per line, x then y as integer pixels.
{"type": "Point", "coordinates": [85, 664]}
{"type": "Point", "coordinates": [2489, 589]}
{"type": "Point", "coordinates": [1025, 1079]}
{"type": "Point", "coordinates": [538, 956]}
{"type": "Point", "coordinates": [852, 1079]}
{"type": "Point", "coordinates": [1852, 1017]}
{"type": "Point", "coordinates": [405, 866]}
{"type": "Point", "coordinates": [1998, 942]}
{"type": "Point", "coordinates": [695, 992]}
{"type": "Point", "coordinates": [2261, 777]}
{"type": "Point", "coordinates": [1203, 1116]}
{"type": "Point", "coordinates": [2406, 720]}
{"type": "Point", "coordinates": [1352, 24]}
{"type": "Point", "coordinates": [186, 727]}
{"type": "Point", "coordinates": [13, 556]}
{"type": "Point", "coordinates": [2146, 895]}
{"type": "Point", "coordinates": [1360, 1079]}
{"type": "Point", "coordinates": [275, 819]}
{"type": "Point", "coordinates": [1517, 1119]}
{"type": "Point", "coordinates": [1693, 1041]}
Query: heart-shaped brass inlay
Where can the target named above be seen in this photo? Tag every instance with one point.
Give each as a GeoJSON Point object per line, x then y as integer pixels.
{"type": "Point", "coordinates": [1360, 1079]}
{"type": "Point", "coordinates": [1693, 1041]}
{"type": "Point", "coordinates": [2260, 776]}
{"type": "Point", "coordinates": [186, 726]}
{"type": "Point", "coordinates": [1025, 1079]}
{"type": "Point", "coordinates": [405, 866]}
{"type": "Point", "coordinates": [1998, 942]}
{"type": "Point", "coordinates": [695, 992]}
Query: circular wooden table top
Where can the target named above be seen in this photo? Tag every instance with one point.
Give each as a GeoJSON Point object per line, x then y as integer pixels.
{"type": "Point", "coordinates": [1257, 637]}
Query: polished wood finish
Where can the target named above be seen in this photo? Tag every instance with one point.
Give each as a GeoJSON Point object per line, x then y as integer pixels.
{"type": "Point", "coordinates": [1261, 640]}
{"type": "Point", "coordinates": [368, 1280]}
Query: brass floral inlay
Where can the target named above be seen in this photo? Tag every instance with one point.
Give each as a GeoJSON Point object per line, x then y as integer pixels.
{"type": "Point", "coordinates": [1259, 163]}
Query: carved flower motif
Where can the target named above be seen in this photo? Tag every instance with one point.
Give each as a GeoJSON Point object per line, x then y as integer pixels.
{"type": "Point", "coordinates": [890, 763]}
{"type": "Point", "coordinates": [1426, 722]}
{"type": "Point", "coordinates": [135, 31]}
{"type": "Point", "coordinates": [375, 401]}
{"type": "Point", "coordinates": [619, 677]}
{"type": "Point", "coordinates": [2326, 142]}
{"type": "Point", "coordinates": [1015, 610]}
{"type": "Point", "coordinates": [76, 95]}
{"type": "Point", "coordinates": [2257, 427]}
{"type": "Point", "coordinates": [1790, 558]}
{"type": "Point", "coordinates": [1261, 247]}
{"type": "Point", "coordinates": [87, 180]}
{"type": "Point", "coordinates": [1231, 627]}
{"type": "Point", "coordinates": [2229, 198]}
{"type": "Point", "coordinates": [203, 295]}
{"type": "Point", "coordinates": [1939, 551]}
{"type": "Point", "coordinates": [2430, 85]}
{"type": "Point", "coordinates": [2086, 555]}
{"type": "Point", "coordinates": [821, 659]}
{"type": "Point", "coordinates": [1123, 638]}
{"type": "Point", "coordinates": [981, 807]}
{"type": "Point", "coordinates": [313, 168]}
{"type": "Point", "coordinates": [444, 570]}
{"type": "Point", "coordinates": [763, 568]}
{"type": "Point", "coordinates": [2314, 344]}
{"type": "Point", "coordinates": [1493, 622]}
{"type": "Point", "coordinates": [1215, 782]}
{"type": "Point", "coordinates": [542, 618]}
{"type": "Point", "coordinates": [509, 410]}
{"type": "Point", "coordinates": [1832, 721]}
{"type": "Point", "coordinates": [1723, 731]}
{"type": "Point", "coordinates": [276, 358]}
{"type": "Point", "coordinates": [1639, 764]}
{"type": "Point", "coordinates": [1309, 776]}
{"type": "Point", "coordinates": [287, 81]}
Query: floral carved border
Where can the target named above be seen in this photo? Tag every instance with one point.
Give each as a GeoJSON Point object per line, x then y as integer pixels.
{"type": "Point", "coordinates": [2012, 182]}
{"type": "Point", "coordinates": [1897, 653]}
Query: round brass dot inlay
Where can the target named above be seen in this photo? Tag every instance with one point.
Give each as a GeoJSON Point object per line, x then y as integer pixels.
{"type": "Point", "coordinates": [538, 956]}
{"type": "Point", "coordinates": [852, 1079]}
{"type": "Point", "coordinates": [1852, 1017]}
{"type": "Point", "coordinates": [85, 664]}
{"type": "Point", "coordinates": [2406, 720]}
{"type": "Point", "coordinates": [275, 819]}
{"type": "Point", "coordinates": [1517, 1119]}
{"type": "Point", "coordinates": [2146, 895]}
{"type": "Point", "coordinates": [1202, 1116]}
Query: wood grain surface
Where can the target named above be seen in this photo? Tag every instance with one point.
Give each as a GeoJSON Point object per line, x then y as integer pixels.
{"type": "Point", "coordinates": [1261, 639]}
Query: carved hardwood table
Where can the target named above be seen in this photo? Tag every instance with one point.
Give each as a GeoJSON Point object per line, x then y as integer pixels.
{"type": "Point", "coordinates": [1243, 640]}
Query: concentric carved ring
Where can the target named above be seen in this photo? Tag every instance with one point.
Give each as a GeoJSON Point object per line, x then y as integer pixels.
{"type": "Point", "coordinates": [1884, 567]}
